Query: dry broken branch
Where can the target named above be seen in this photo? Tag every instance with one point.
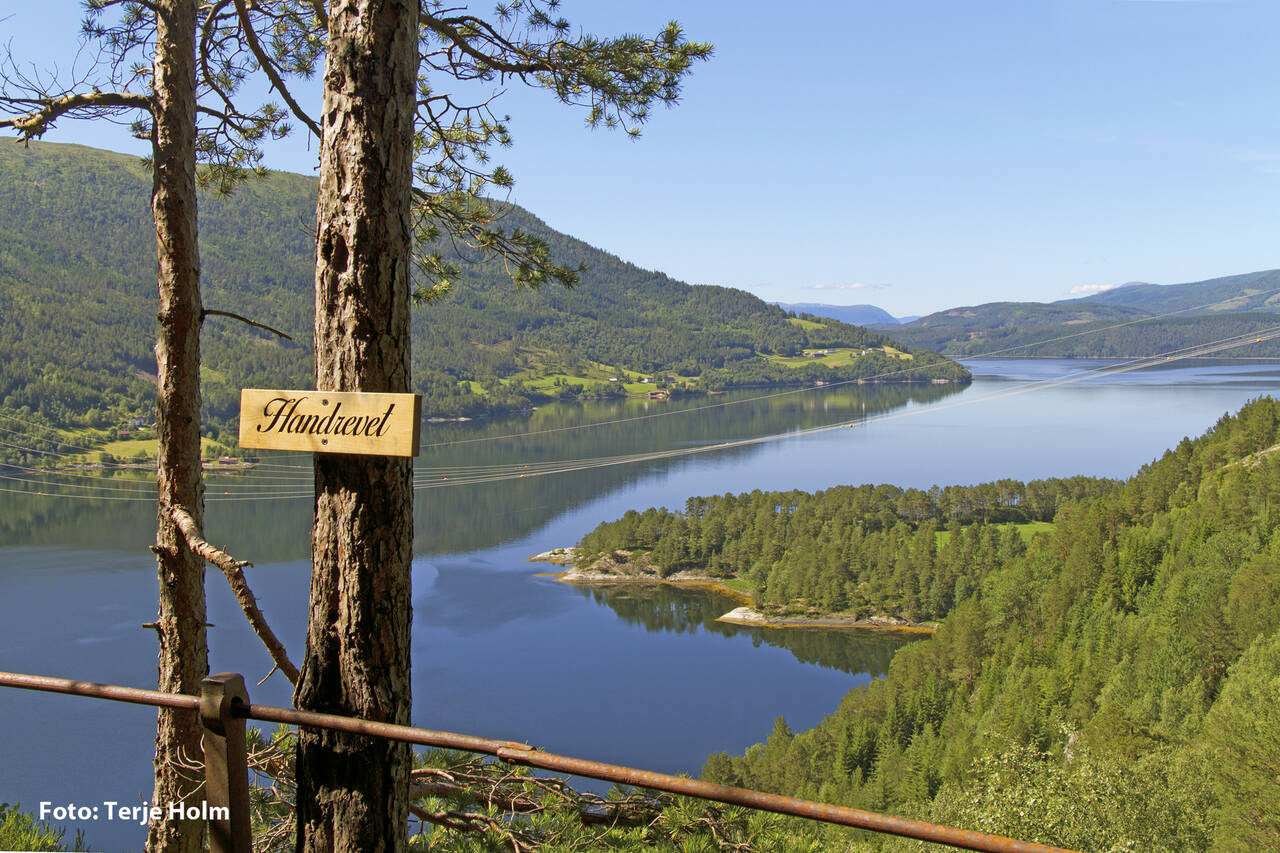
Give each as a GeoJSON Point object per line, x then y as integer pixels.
{"type": "Point", "coordinates": [206, 312]}
{"type": "Point", "coordinates": [45, 110]}
{"type": "Point", "coordinates": [233, 570]}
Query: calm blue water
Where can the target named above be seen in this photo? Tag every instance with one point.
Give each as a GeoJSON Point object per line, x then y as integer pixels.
{"type": "Point", "coordinates": [634, 677]}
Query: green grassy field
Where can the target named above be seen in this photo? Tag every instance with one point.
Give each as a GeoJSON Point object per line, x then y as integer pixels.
{"type": "Point", "coordinates": [542, 370]}
{"type": "Point", "coordinates": [1026, 530]}
{"type": "Point", "coordinates": [543, 377]}
{"type": "Point", "coordinates": [128, 448]}
{"type": "Point", "coordinates": [896, 353]}
{"type": "Point", "coordinates": [805, 324]}
{"type": "Point", "coordinates": [548, 381]}
{"type": "Point", "coordinates": [738, 584]}
{"type": "Point", "coordinates": [839, 358]}
{"type": "Point", "coordinates": [89, 446]}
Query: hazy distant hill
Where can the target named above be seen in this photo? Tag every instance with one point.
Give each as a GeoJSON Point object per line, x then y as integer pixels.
{"type": "Point", "coordinates": [77, 307]}
{"type": "Point", "coordinates": [858, 315]}
{"type": "Point", "coordinates": [1134, 320]}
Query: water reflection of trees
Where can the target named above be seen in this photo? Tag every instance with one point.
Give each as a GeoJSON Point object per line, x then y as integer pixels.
{"type": "Point", "coordinates": [473, 517]}
{"type": "Point", "coordinates": [466, 518]}
{"type": "Point", "coordinates": [29, 519]}
{"type": "Point", "coordinates": [670, 609]}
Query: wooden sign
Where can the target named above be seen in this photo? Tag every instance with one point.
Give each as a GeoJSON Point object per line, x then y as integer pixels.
{"type": "Point", "coordinates": [331, 421]}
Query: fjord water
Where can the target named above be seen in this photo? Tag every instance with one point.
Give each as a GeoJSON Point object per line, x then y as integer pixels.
{"type": "Point", "coordinates": [639, 676]}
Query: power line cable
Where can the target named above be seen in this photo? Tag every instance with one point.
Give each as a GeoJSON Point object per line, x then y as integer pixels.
{"type": "Point", "coordinates": [830, 385]}
{"type": "Point", "coordinates": [486, 474]}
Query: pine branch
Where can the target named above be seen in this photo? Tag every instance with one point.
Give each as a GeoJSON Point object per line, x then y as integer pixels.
{"type": "Point", "coordinates": [268, 67]}
{"type": "Point", "coordinates": [530, 64]}
{"type": "Point", "coordinates": [322, 15]}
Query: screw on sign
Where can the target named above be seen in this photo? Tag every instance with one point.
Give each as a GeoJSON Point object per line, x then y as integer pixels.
{"type": "Point", "coordinates": [331, 421]}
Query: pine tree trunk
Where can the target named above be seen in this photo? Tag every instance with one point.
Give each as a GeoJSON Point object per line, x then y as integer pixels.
{"type": "Point", "coordinates": [183, 656]}
{"type": "Point", "coordinates": [352, 791]}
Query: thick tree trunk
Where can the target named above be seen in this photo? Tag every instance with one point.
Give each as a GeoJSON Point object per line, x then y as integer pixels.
{"type": "Point", "coordinates": [352, 791]}
{"type": "Point", "coordinates": [183, 658]}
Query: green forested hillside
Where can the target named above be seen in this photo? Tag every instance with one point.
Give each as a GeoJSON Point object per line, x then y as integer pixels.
{"type": "Point", "coordinates": [1125, 322]}
{"type": "Point", "coordinates": [77, 308]}
{"type": "Point", "coordinates": [1103, 338]}
{"type": "Point", "coordinates": [77, 286]}
{"type": "Point", "coordinates": [999, 324]}
{"type": "Point", "coordinates": [1255, 291]}
{"type": "Point", "coordinates": [1115, 685]}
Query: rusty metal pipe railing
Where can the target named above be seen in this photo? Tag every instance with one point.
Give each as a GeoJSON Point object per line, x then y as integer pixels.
{"type": "Point", "coordinates": [92, 689]}
{"type": "Point", "coordinates": [520, 753]}
{"type": "Point", "coordinates": [372, 728]}
{"type": "Point", "coordinates": [523, 754]}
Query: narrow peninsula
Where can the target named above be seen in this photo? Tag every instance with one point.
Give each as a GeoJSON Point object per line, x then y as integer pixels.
{"type": "Point", "coordinates": [869, 556]}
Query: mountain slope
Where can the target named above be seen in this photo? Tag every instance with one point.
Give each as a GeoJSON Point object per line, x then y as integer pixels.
{"type": "Point", "coordinates": [1134, 320]}
{"type": "Point", "coordinates": [1255, 291]}
{"type": "Point", "coordinates": [77, 308]}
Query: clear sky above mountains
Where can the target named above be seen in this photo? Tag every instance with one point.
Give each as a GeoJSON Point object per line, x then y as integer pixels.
{"type": "Point", "coordinates": [915, 155]}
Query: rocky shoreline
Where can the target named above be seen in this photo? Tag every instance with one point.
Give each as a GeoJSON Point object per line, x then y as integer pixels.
{"type": "Point", "coordinates": [560, 556]}
{"type": "Point", "coordinates": [622, 567]}
{"type": "Point", "coordinates": [749, 616]}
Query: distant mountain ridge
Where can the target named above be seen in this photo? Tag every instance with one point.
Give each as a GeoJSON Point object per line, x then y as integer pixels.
{"type": "Point", "coordinates": [858, 315]}
{"type": "Point", "coordinates": [1136, 319]}
{"type": "Point", "coordinates": [77, 309]}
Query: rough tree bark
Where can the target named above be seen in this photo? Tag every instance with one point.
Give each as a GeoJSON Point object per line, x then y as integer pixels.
{"type": "Point", "coordinates": [353, 792]}
{"type": "Point", "coordinates": [183, 655]}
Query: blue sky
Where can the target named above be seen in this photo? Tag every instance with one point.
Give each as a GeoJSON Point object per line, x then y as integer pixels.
{"type": "Point", "coordinates": [915, 154]}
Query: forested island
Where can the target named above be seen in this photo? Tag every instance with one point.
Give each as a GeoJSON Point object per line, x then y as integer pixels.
{"type": "Point", "coordinates": [1111, 683]}
{"type": "Point", "coordinates": [77, 291]}
{"type": "Point", "coordinates": [869, 554]}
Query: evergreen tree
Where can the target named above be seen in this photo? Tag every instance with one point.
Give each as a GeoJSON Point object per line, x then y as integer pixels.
{"type": "Point", "coordinates": [380, 110]}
